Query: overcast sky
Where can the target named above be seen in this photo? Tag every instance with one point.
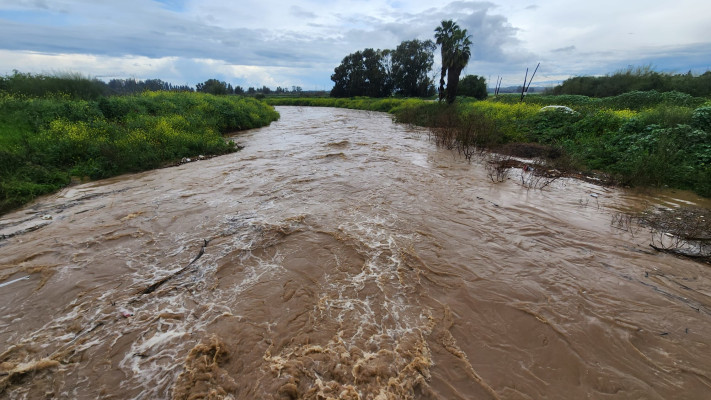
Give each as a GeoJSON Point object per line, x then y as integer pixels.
{"type": "Point", "coordinates": [282, 43]}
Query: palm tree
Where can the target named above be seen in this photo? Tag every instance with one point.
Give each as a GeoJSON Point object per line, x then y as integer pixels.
{"type": "Point", "coordinates": [456, 51]}
{"type": "Point", "coordinates": [461, 52]}
{"type": "Point", "coordinates": [443, 36]}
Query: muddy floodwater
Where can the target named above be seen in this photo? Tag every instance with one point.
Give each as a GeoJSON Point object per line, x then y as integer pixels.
{"type": "Point", "coordinates": [339, 255]}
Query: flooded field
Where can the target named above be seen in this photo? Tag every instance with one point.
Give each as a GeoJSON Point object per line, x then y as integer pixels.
{"type": "Point", "coordinates": [339, 255]}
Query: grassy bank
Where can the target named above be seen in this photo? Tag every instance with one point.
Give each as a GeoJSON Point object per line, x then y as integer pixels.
{"type": "Point", "coordinates": [45, 141]}
{"type": "Point", "coordinates": [638, 138]}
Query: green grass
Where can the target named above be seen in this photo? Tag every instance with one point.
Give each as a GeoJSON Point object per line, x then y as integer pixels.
{"type": "Point", "coordinates": [46, 141]}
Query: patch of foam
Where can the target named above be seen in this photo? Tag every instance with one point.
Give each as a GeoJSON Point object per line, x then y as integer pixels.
{"type": "Point", "coordinates": [387, 338]}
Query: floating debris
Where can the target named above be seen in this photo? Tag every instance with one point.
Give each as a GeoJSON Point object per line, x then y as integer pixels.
{"type": "Point", "coordinates": [24, 278]}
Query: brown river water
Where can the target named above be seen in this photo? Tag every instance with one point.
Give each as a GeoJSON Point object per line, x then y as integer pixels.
{"type": "Point", "coordinates": [339, 255]}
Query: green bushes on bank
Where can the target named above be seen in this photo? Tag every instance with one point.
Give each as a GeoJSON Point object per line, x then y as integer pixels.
{"type": "Point", "coordinates": [641, 139]}
{"type": "Point", "coordinates": [45, 141]}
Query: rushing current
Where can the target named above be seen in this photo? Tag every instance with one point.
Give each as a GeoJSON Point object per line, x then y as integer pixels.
{"type": "Point", "coordinates": [342, 256]}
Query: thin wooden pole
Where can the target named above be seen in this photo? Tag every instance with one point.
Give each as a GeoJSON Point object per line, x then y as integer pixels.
{"type": "Point", "coordinates": [534, 74]}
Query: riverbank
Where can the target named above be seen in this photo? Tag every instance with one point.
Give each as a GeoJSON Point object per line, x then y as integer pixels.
{"type": "Point", "coordinates": [637, 139]}
{"type": "Point", "coordinates": [46, 142]}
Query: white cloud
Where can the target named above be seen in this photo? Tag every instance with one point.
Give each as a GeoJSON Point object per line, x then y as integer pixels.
{"type": "Point", "coordinates": [99, 66]}
{"type": "Point", "coordinates": [171, 69]}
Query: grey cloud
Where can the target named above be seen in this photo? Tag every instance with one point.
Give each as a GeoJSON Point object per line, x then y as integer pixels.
{"type": "Point", "coordinates": [156, 32]}
{"type": "Point", "coordinates": [42, 4]}
{"type": "Point", "coordinates": [567, 49]}
{"type": "Point", "coordinates": [301, 12]}
{"type": "Point", "coordinates": [674, 59]}
{"type": "Point", "coordinates": [491, 34]}
{"type": "Point", "coordinates": [677, 59]}
{"type": "Point", "coordinates": [240, 46]}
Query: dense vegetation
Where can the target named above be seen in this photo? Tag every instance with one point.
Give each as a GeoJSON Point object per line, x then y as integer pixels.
{"type": "Point", "coordinates": [44, 141]}
{"type": "Point", "coordinates": [639, 138]}
{"type": "Point", "coordinates": [473, 86]}
{"type": "Point", "coordinates": [411, 63]}
{"type": "Point", "coordinates": [635, 79]}
{"type": "Point", "coordinates": [362, 73]}
{"type": "Point", "coordinates": [75, 86]}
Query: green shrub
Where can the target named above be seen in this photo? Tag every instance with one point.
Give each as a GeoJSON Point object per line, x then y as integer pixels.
{"type": "Point", "coordinates": [659, 156]}
{"type": "Point", "coordinates": [638, 100]}
{"type": "Point", "coordinates": [667, 116]}
{"type": "Point", "coordinates": [703, 181]}
{"type": "Point", "coordinates": [701, 118]}
{"type": "Point", "coordinates": [114, 108]}
{"type": "Point", "coordinates": [550, 127]}
{"type": "Point", "coordinates": [598, 123]}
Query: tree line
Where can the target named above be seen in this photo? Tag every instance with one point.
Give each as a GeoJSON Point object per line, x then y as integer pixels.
{"type": "Point", "coordinates": [77, 86]}
{"type": "Point", "coordinates": [636, 79]}
{"type": "Point", "coordinates": [214, 86]}
{"type": "Point", "coordinates": [129, 86]}
{"type": "Point", "coordinates": [211, 86]}
{"type": "Point", "coordinates": [406, 70]}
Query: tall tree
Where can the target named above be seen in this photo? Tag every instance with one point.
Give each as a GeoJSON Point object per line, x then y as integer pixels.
{"type": "Point", "coordinates": [212, 86]}
{"type": "Point", "coordinates": [411, 63]}
{"type": "Point", "coordinates": [443, 37]}
{"type": "Point", "coordinates": [456, 51]}
{"type": "Point", "coordinates": [473, 86]}
{"type": "Point", "coordinates": [362, 73]}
